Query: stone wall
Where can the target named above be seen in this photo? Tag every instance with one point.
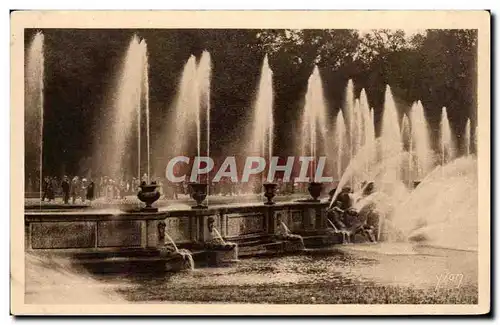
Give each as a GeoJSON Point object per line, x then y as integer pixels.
{"type": "Point", "coordinates": [100, 231]}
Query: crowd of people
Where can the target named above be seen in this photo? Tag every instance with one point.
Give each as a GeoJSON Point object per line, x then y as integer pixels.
{"type": "Point", "coordinates": [77, 188]}
{"type": "Point", "coordinates": [82, 189]}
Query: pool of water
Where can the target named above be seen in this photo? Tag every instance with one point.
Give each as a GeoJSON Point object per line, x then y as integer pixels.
{"type": "Point", "coordinates": [380, 273]}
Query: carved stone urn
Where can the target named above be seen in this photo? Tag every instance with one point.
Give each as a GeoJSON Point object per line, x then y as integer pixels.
{"type": "Point", "coordinates": [315, 189]}
{"type": "Point", "coordinates": [199, 194]}
{"type": "Point", "coordinates": [149, 194]}
{"type": "Point", "coordinates": [270, 192]}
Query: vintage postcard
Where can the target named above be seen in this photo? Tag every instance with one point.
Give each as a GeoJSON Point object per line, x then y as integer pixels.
{"type": "Point", "coordinates": [250, 162]}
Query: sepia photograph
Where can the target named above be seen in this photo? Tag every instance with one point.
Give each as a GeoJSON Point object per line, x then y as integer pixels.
{"type": "Point", "coordinates": [302, 166]}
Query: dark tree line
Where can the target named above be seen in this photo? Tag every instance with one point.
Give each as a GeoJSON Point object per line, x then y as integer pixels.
{"type": "Point", "coordinates": [437, 67]}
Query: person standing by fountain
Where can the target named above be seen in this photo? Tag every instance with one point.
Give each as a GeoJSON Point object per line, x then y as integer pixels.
{"type": "Point", "coordinates": [65, 189]}
{"type": "Point", "coordinates": [75, 189]}
{"type": "Point", "coordinates": [90, 190]}
{"type": "Point", "coordinates": [45, 187]}
{"type": "Point", "coordinates": [84, 189]}
{"type": "Point", "coordinates": [51, 189]}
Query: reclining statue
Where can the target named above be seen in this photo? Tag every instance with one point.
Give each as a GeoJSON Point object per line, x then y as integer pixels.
{"type": "Point", "coordinates": [283, 233]}
{"type": "Point", "coordinates": [345, 219]}
{"type": "Point", "coordinates": [215, 240]}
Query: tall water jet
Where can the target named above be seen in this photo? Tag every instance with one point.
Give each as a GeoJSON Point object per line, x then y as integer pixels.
{"type": "Point", "coordinates": [358, 126]}
{"type": "Point", "coordinates": [467, 138]}
{"type": "Point", "coordinates": [203, 75]}
{"type": "Point", "coordinates": [390, 122]}
{"type": "Point", "coordinates": [408, 143]}
{"type": "Point", "coordinates": [368, 127]}
{"type": "Point", "coordinates": [126, 107]}
{"type": "Point", "coordinates": [185, 110]}
{"type": "Point", "coordinates": [191, 109]}
{"type": "Point", "coordinates": [34, 108]}
{"type": "Point", "coordinates": [372, 116]}
{"type": "Point", "coordinates": [145, 91]}
{"type": "Point", "coordinates": [139, 121]}
{"type": "Point", "coordinates": [356, 134]}
{"type": "Point", "coordinates": [421, 140]}
{"type": "Point", "coordinates": [340, 136]}
{"type": "Point", "coordinates": [261, 142]}
{"type": "Point", "coordinates": [390, 144]}
{"type": "Point", "coordinates": [349, 113]}
{"type": "Point", "coordinates": [446, 141]}
{"type": "Point", "coordinates": [313, 118]}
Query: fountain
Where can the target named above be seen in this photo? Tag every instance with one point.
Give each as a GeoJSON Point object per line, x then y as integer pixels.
{"type": "Point", "coordinates": [179, 259]}
{"type": "Point", "coordinates": [390, 139]}
{"type": "Point", "coordinates": [34, 108]}
{"type": "Point", "coordinates": [446, 142]}
{"type": "Point", "coordinates": [313, 125]}
{"type": "Point", "coordinates": [385, 167]}
{"type": "Point", "coordinates": [191, 107]}
{"type": "Point", "coordinates": [340, 136]}
{"type": "Point", "coordinates": [368, 128]}
{"type": "Point", "coordinates": [358, 123]}
{"type": "Point", "coordinates": [184, 118]}
{"type": "Point", "coordinates": [261, 141]}
{"type": "Point", "coordinates": [204, 74]}
{"type": "Point", "coordinates": [360, 156]}
{"type": "Point", "coordinates": [406, 168]}
{"type": "Point", "coordinates": [349, 113]}
{"type": "Point", "coordinates": [220, 251]}
{"type": "Point", "coordinates": [145, 91]}
{"type": "Point", "coordinates": [448, 222]}
{"type": "Point", "coordinates": [262, 125]}
{"type": "Point", "coordinates": [420, 140]}
{"type": "Point", "coordinates": [199, 188]}
{"type": "Point", "coordinates": [467, 139]}
{"type": "Point", "coordinates": [129, 99]}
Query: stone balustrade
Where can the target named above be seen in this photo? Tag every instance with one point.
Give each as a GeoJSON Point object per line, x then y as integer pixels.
{"type": "Point", "coordinates": [102, 231]}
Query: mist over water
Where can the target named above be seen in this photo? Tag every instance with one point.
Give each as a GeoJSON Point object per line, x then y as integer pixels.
{"type": "Point", "coordinates": [401, 155]}
{"type": "Point", "coordinates": [51, 280]}
{"type": "Point", "coordinates": [442, 210]}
